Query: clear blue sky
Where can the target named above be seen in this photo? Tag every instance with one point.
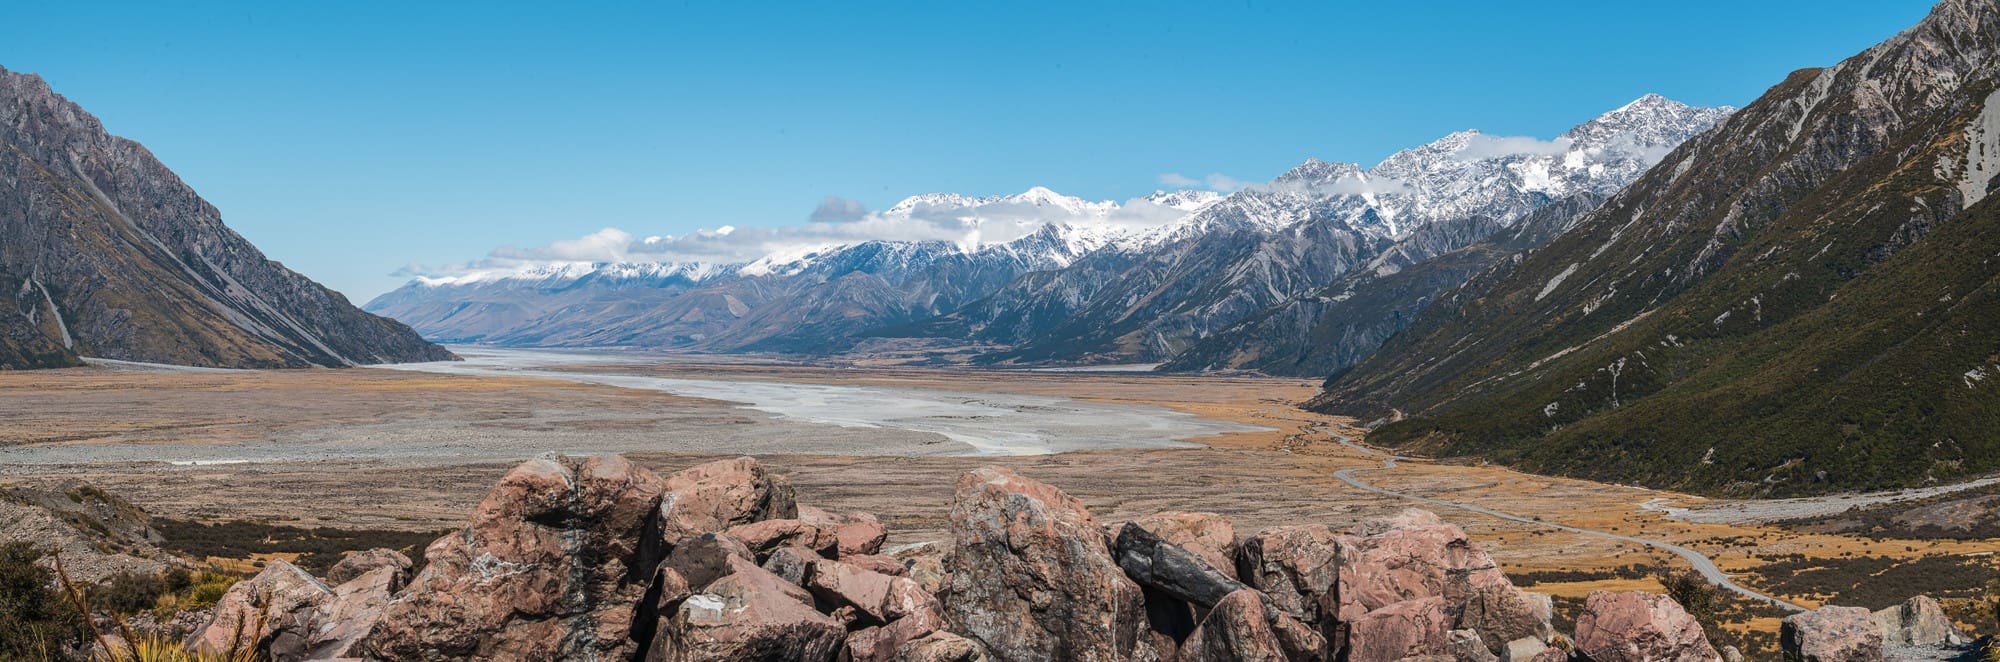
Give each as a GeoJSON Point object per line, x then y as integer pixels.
{"type": "Point", "coordinates": [348, 139]}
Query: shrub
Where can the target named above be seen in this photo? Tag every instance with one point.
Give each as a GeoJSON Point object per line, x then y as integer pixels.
{"type": "Point", "coordinates": [34, 622]}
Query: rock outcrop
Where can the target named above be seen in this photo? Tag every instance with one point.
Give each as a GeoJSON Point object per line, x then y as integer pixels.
{"type": "Point", "coordinates": [1640, 627]}
{"type": "Point", "coordinates": [285, 614]}
{"type": "Point", "coordinates": [1032, 576]}
{"type": "Point", "coordinates": [553, 565]}
{"type": "Point", "coordinates": [97, 534]}
{"type": "Point", "coordinates": [600, 559]}
{"type": "Point", "coordinates": [1919, 621]}
{"type": "Point", "coordinates": [360, 563]}
{"type": "Point", "coordinates": [1832, 634]}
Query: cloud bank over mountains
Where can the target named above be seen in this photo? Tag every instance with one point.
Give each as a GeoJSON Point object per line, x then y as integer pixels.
{"type": "Point", "coordinates": [966, 221]}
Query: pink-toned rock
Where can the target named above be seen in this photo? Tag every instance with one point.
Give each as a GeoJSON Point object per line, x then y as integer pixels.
{"type": "Point", "coordinates": [353, 610]}
{"type": "Point", "coordinates": [767, 536]}
{"type": "Point", "coordinates": [1298, 566]}
{"type": "Point", "coordinates": [1398, 631]}
{"type": "Point", "coordinates": [705, 558]}
{"type": "Point", "coordinates": [668, 592]}
{"type": "Point", "coordinates": [1246, 625]}
{"type": "Point", "coordinates": [882, 563]}
{"type": "Point", "coordinates": [750, 615]}
{"type": "Point", "coordinates": [553, 565]}
{"type": "Point", "coordinates": [884, 643]}
{"type": "Point", "coordinates": [924, 562]}
{"type": "Point", "coordinates": [1414, 555]}
{"type": "Point", "coordinates": [360, 563]}
{"type": "Point", "coordinates": [1639, 627]}
{"type": "Point", "coordinates": [792, 563]}
{"type": "Point", "coordinates": [1207, 535]}
{"type": "Point", "coordinates": [1466, 646]}
{"type": "Point", "coordinates": [942, 647]}
{"type": "Point", "coordinates": [882, 598]}
{"type": "Point", "coordinates": [858, 532]}
{"type": "Point", "coordinates": [1504, 615]}
{"type": "Point", "coordinates": [712, 497]}
{"type": "Point", "coordinates": [1919, 621]}
{"type": "Point", "coordinates": [1031, 575]}
{"type": "Point", "coordinates": [272, 613]}
{"type": "Point", "coordinates": [1409, 556]}
{"type": "Point", "coordinates": [1831, 634]}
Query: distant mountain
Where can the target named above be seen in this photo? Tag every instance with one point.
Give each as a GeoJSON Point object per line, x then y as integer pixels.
{"type": "Point", "coordinates": [1805, 299]}
{"type": "Point", "coordinates": [1079, 282]}
{"type": "Point", "coordinates": [105, 253]}
{"type": "Point", "coordinates": [1154, 297]}
{"type": "Point", "coordinates": [810, 301]}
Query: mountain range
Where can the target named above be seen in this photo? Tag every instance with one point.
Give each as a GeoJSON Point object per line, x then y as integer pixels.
{"type": "Point", "coordinates": [1801, 300]}
{"type": "Point", "coordinates": [1082, 286]}
{"type": "Point", "coordinates": [105, 253]}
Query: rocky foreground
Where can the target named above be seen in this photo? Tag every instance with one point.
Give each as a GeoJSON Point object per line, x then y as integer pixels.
{"type": "Point", "coordinates": [601, 559]}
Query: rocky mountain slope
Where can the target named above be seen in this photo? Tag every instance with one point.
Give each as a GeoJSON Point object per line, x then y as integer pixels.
{"type": "Point", "coordinates": [1801, 300]}
{"type": "Point", "coordinates": [1153, 299]}
{"type": "Point", "coordinates": [105, 253]}
{"type": "Point", "coordinates": [1330, 330]}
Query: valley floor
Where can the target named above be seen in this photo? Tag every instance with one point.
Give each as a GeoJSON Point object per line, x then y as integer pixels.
{"type": "Point", "coordinates": [413, 451]}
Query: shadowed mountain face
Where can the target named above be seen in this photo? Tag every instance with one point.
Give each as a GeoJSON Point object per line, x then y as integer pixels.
{"type": "Point", "coordinates": [1802, 300]}
{"type": "Point", "coordinates": [105, 253]}
{"type": "Point", "coordinates": [1330, 330]}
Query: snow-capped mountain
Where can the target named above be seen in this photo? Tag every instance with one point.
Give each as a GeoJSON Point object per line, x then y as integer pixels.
{"type": "Point", "coordinates": [1054, 277]}
{"type": "Point", "coordinates": [1152, 295]}
{"type": "Point", "coordinates": [721, 307]}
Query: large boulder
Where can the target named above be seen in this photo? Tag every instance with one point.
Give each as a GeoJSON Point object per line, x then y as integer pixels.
{"type": "Point", "coordinates": [881, 598]}
{"type": "Point", "coordinates": [1413, 555]}
{"type": "Point", "coordinates": [923, 562]}
{"type": "Point", "coordinates": [1246, 625]}
{"type": "Point", "coordinates": [767, 536]}
{"type": "Point", "coordinates": [705, 558]}
{"type": "Point", "coordinates": [749, 614]}
{"type": "Point", "coordinates": [1640, 627]}
{"type": "Point", "coordinates": [347, 616]}
{"type": "Point", "coordinates": [1032, 577]}
{"type": "Point", "coordinates": [942, 647]}
{"type": "Point", "coordinates": [273, 613]}
{"type": "Point", "coordinates": [1411, 628]}
{"type": "Point", "coordinates": [1161, 565]}
{"type": "Point", "coordinates": [1919, 621]}
{"type": "Point", "coordinates": [1831, 634]}
{"type": "Point", "coordinates": [1466, 646]}
{"type": "Point", "coordinates": [361, 563]}
{"type": "Point", "coordinates": [553, 565]}
{"type": "Point", "coordinates": [857, 532]}
{"type": "Point", "coordinates": [1299, 567]}
{"type": "Point", "coordinates": [1207, 535]}
{"type": "Point", "coordinates": [713, 497]}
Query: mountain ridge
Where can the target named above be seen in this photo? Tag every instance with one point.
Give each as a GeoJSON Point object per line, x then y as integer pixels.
{"type": "Point", "coordinates": [131, 264]}
{"type": "Point", "coordinates": [1754, 330]}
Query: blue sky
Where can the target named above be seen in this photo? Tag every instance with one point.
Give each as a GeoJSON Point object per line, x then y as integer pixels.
{"type": "Point", "coordinates": [351, 139]}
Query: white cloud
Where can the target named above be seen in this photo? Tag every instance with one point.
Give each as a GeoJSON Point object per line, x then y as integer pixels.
{"type": "Point", "coordinates": [836, 209]}
{"type": "Point", "coordinates": [1483, 147]}
{"type": "Point", "coordinates": [1214, 182]}
{"type": "Point", "coordinates": [1221, 182]}
{"type": "Point", "coordinates": [964, 221]}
